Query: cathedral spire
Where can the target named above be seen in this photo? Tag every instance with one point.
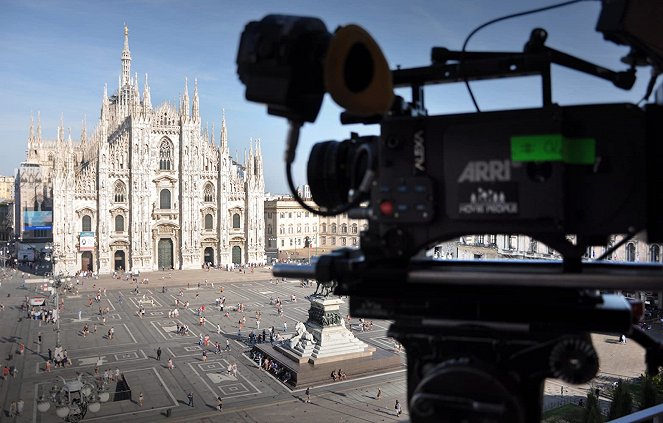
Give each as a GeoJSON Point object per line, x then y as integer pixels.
{"type": "Point", "coordinates": [195, 113]}
{"type": "Point", "coordinates": [185, 98]}
{"type": "Point", "coordinates": [84, 130]}
{"type": "Point", "coordinates": [224, 133]}
{"type": "Point", "coordinates": [212, 140]}
{"type": "Point", "coordinates": [250, 163]}
{"type": "Point", "coordinates": [38, 127]}
{"type": "Point", "coordinates": [147, 100]}
{"type": "Point", "coordinates": [31, 137]}
{"type": "Point", "coordinates": [126, 59]}
{"type": "Point", "coordinates": [258, 157]}
{"type": "Point", "coordinates": [61, 128]}
{"type": "Point", "coordinates": [104, 104]}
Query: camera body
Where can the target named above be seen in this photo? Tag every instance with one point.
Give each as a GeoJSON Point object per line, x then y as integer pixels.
{"type": "Point", "coordinates": [544, 172]}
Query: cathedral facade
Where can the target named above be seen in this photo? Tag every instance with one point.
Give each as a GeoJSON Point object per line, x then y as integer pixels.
{"type": "Point", "coordinates": [149, 189]}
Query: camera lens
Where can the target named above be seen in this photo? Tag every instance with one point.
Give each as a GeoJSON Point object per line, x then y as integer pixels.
{"type": "Point", "coordinates": [335, 168]}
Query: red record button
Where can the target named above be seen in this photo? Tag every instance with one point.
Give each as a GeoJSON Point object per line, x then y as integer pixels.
{"type": "Point", "coordinates": [387, 208]}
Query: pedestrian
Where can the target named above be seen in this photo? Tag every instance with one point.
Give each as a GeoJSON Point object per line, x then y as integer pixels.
{"type": "Point", "coordinates": [308, 395]}
{"type": "Point", "coordinates": [285, 326]}
{"type": "Point", "coordinates": [398, 408]}
{"type": "Point", "coordinates": [190, 397]}
{"type": "Point", "coordinates": [377, 396]}
{"type": "Point", "coordinates": [19, 406]}
{"type": "Point", "coordinates": [218, 329]}
{"type": "Point", "coordinates": [12, 409]}
{"type": "Point", "coordinates": [50, 354]}
{"type": "Point", "coordinates": [227, 344]}
{"type": "Point", "coordinates": [204, 356]}
{"type": "Point", "coordinates": [117, 373]}
{"type": "Point", "coordinates": [219, 404]}
{"type": "Point", "coordinates": [170, 364]}
{"type": "Point", "coordinates": [140, 399]}
{"type": "Point", "coordinates": [159, 353]}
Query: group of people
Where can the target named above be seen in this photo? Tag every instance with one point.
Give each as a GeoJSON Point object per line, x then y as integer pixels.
{"type": "Point", "coordinates": [16, 408]}
{"type": "Point", "coordinates": [340, 375]}
{"type": "Point", "coordinates": [266, 363]}
{"type": "Point", "coordinates": [182, 329]}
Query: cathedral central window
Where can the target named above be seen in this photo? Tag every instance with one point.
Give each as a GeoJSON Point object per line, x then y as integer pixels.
{"type": "Point", "coordinates": [120, 192]}
{"type": "Point", "coordinates": [165, 155]}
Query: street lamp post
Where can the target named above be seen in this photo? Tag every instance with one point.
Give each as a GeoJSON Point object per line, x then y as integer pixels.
{"type": "Point", "coordinates": [74, 398]}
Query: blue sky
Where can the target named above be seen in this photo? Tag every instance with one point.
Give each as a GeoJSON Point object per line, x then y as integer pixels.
{"type": "Point", "coordinates": [57, 55]}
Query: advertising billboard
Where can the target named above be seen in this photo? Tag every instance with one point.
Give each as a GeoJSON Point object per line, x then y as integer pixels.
{"type": "Point", "coordinates": [86, 241]}
{"type": "Point", "coordinates": [35, 220]}
{"type": "Point", "coordinates": [35, 200]}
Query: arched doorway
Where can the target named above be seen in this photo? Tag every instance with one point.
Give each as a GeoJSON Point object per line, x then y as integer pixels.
{"type": "Point", "coordinates": [209, 256]}
{"type": "Point", "coordinates": [165, 253]}
{"type": "Point", "coordinates": [237, 255]}
{"type": "Point", "coordinates": [120, 263]}
{"type": "Point", "coordinates": [86, 261]}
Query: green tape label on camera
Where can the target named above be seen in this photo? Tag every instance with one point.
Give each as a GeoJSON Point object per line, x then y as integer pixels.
{"type": "Point", "coordinates": [553, 148]}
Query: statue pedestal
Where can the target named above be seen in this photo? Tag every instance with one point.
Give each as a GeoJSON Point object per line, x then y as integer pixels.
{"type": "Point", "coordinates": [332, 341]}
{"type": "Point", "coordinates": [323, 344]}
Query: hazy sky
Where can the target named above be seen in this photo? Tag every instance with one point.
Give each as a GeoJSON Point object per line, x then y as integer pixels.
{"type": "Point", "coordinates": [57, 55]}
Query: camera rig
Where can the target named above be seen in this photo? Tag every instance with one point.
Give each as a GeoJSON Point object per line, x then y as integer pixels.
{"type": "Point", "coordinates": [481, 336]}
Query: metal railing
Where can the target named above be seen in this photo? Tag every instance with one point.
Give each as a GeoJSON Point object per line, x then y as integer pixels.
{"type": "Point", "coordinates": [654, 414]}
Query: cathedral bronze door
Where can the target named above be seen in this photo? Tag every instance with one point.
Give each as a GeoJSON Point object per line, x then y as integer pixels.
{"type": "Point", "coordinates": [165, 253]}
{"type": "Point", "coordinates": [120, 260]}
{"type": "Point", "coordinates": [237, 255]}
{"type": "Point", "coordinates": [209, 256]}
{"type": "Point", "coordinates": [86, 261]}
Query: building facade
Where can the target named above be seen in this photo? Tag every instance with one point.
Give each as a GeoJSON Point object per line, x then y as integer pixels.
{"type": "Point", "coordinates": [293, 233]}
{"type": "Point", "coordinates": [148, 189]}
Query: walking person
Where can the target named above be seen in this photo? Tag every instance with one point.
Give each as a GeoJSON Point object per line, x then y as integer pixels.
{"type": "Point", "coordinates": [219, 404]}
{"type": "Point", "coordinates": [140, 399]}
{"type": "Point", "coordinates": [308, 395]}
{"type": "Point", "coordinates": [377, 396]}
{"type": "Point", "coordinates": [170, 364]}
{"type": "Point", "coordinates": [398, 408]}
{"type": "Point", "coordinates": [159, 353]}
{"type": "Point", "coordinates": [190, 397]}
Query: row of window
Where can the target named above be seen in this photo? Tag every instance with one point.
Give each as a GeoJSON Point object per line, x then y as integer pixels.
{"type": "Point", "coordinates": [86, 222]}
{"type": "Point", "coordinates": [289, 214]}
{"type": "Point", "coordinates": [120, 194]}
{"type": "Point", "coordinates": [295, 242]}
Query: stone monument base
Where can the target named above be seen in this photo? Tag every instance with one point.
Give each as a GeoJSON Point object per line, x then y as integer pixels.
{"type": "Point", "coordinates": [324, 345]}
{"type": "Point", "coordinates": [307, 373]}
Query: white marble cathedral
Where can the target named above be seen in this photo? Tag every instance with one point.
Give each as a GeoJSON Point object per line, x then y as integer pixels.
{"type": "Point", "coordinates": [150, 189]}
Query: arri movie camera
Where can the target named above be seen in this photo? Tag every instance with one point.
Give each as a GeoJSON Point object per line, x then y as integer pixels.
{"type": "Point", "coordinates": [481, 336]}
